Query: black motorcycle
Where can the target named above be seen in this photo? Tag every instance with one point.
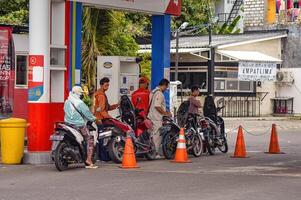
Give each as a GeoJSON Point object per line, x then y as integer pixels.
{"type": "Point", "coordinates": [170, 134]}
{"type": "Point", "coordinates": [216, 137]}
{"type": "Point", "coordinates": [69, 146]}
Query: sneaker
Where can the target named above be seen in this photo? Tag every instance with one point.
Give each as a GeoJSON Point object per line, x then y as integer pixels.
{"type": "Point", "coordinates": [158, 157]}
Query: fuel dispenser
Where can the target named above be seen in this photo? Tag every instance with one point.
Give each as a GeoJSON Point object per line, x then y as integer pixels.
{"type": "Point", "coordinates": [123, 73]}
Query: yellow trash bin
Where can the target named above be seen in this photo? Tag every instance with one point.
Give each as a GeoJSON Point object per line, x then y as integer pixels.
{"type": "Point", "coordinates": [12, 140]}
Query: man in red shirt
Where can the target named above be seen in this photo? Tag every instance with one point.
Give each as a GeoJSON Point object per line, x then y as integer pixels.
{"type": "Point", "coordinates": [140, 98]}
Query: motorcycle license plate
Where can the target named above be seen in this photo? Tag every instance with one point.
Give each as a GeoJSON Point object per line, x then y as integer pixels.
{"type": "Point", "coordinates": [56, 137]}
{"type": "Point", "coordinates": [54, 145]}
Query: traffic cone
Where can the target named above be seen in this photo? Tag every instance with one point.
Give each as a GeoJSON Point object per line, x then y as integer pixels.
{"type": "Point", "coordinates": [240, 147]}
{"type": "Point", "coordinates": [274, 145]}
{"type": "Point", "coordinates": [181, 153]}
{"type": "Point", "coordinates": [129, 159]}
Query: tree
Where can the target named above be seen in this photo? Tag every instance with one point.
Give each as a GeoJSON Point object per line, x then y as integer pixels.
{"type": "Point", "coordinates": [14, 12]}
{"type": "Point", "coordinates": [105, 32]}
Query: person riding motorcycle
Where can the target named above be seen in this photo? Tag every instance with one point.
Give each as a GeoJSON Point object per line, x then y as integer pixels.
{"type": "Point", "coordinates": [157, 109]}
{"type": "Point", "coordinates": [77, 114]}
{"type": "Point", "coordinates": [140, 98]}
{"type": "Point", "coordinates": [195, 104]}
{"type": "Point", "coordinates": [102, 106]}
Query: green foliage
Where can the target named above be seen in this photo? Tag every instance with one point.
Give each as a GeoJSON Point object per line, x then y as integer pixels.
{"type": "Point", "coordinates": [145, 65]}
{"type": "Point", "coordinates": [105, 32]}
{"type": "Point", "coordinates": [88, 101]}
{"type": "Point", "coordinates": [14, 12]}
{"type": "Point", "coordinates": [230, 29]}
{"type": "Point", "coordinates": [195, 12]}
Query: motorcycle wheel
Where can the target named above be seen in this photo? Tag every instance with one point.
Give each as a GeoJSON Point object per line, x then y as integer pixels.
{"type": "Point", "coordinates": [197, 148]}
{"type": "Point", "coordinates": [116, 149]}
{"type": "Point", "coordinates": [210, 146]}
{"type": "Point", "coordinates": [169, 145]}
{"type": "Point", "coordinates": [151, 155]}
{"type": "Point", "coordinates": [60, 162]}
{"type": "Point", "coordinates": [224, 147]}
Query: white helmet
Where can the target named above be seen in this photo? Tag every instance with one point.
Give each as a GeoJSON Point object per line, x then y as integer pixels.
{"type": "Point", "coordinates": [77, 90]}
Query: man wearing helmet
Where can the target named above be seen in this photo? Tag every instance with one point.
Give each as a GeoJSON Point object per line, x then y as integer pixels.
{"type": "Point", "coordinates": [77, 114]}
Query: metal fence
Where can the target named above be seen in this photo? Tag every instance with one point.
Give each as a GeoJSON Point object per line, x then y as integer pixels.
{"type": "Point", "coordinates": [240, 106]}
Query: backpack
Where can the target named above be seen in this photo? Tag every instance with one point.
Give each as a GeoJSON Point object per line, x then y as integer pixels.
{"type": "Point", "coordinates": [103, 153]}
{"type": "Point", "coordinates": [182, 113]}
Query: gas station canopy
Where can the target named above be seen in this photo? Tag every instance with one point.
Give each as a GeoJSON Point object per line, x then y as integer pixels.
{"type": "Point", "coordinates": [172, 7]}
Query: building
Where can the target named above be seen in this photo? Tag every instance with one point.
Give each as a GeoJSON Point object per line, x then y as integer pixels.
{"type": "Point", "coordinates": [240, 98]}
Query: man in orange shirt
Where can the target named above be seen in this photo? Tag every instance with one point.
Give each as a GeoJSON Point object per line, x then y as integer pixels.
{"type": "Point", "coordinates": [140, 98]}
{"type": "Point", "coordinates": [102, 106]}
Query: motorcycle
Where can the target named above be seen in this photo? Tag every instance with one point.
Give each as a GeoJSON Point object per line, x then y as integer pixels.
{"type": "Point", "coordinates": [170, 134]}
{"type": "Point", "coordinates": [134, 125]}
{"type": "Point", "coordinates": [69, 146]}
{"type": "Point", "coordinates": [216, 137]}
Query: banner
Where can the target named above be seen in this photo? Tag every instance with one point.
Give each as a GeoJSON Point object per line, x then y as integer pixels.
{"type": "Point", "coordinates": [172, 7]}
{"type": "Point", "coordinates": [7, 72]}
{"type": "Point", "coordinates": [257, 71]}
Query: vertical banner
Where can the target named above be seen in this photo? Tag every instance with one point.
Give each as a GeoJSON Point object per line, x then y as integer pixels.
{"type": "Point", "coordinates": [7, 72]}
{"type": "Point", "coordinates": [35, 77]}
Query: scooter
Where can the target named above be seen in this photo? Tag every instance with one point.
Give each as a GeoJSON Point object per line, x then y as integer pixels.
{"type": "Point", "coordinates": [69, 146]}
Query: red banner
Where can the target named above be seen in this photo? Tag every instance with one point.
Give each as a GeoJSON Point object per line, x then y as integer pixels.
{"type": "Point", "coordinates": [36, 60]}
{"type": "Point", "coordinates": [7, 72]}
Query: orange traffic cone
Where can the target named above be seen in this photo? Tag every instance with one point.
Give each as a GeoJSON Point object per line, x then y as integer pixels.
{"type": "Point", "coordinates": [274, 145]}
{"type": "Point", "coordinates": [240, 147]}
{"type": "Point", "coordinates": [181, 153]}
{"type": "Point", "coordinates": [129, 159]}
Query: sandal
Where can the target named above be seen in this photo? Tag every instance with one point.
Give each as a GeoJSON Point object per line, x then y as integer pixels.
{"type": "Point", "coordinates": [92, 166]}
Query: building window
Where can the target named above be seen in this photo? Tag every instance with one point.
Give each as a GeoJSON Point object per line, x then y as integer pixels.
{"type": "Point", "coordinates": [245, 86]}
{"type": "Point", "coordinates": [21, 70]}
{"type": "Point", "coordinates": [190, 78]}
{"type": "Point", "coordinates": [219, 85]}
{"type": "Point", "coordinates": [227, 81]}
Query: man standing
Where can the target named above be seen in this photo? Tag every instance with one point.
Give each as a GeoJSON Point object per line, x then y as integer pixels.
{"type": "Point", "coordinates": [102, 106]}
{"type": "Point", "coordinates": [140, 98]}
{"type": "Point", "coordinates": [195, 104]}
{"type": "Point", "coordinates": [157, 110]}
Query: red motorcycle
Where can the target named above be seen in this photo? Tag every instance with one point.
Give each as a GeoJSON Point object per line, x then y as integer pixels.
{"type": "Point", "coordinates": [133, 124]}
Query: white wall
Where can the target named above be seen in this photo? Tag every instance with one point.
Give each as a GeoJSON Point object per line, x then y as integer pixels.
{"type": "Point", "coordinates": [21, 42]}
{"type": "Point", "coordinates": [294, 90]}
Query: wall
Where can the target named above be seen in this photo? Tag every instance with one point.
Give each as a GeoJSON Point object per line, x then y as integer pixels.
{"type": "Point", "coordinates": [271, 48]}
{"type": "Point", "coordinates": [20, 109]}
{"type": "Point", "coordinates": [254, 11]}
{"type": "Point", "coordinates": [293, 90]}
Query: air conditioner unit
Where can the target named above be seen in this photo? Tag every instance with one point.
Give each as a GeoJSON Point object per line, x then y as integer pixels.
{"type": "Point", "coordinates": [285, 77]}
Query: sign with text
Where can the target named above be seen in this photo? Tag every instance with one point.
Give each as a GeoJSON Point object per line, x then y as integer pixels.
{"type": "Point", "coordinates": [7, 71]}
{"type": "Point", "coordinates": [257, 71]}
{"type": "Point", "coordinates": [172, 7]}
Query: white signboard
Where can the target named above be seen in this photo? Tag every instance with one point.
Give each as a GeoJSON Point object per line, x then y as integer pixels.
{"type": "Point", "coordinates": [256, 71]}
{"type": "Point", "coordinates": [172, 7]}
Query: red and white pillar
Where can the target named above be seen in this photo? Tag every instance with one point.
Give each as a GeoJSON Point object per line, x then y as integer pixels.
{"type": "Point", "coordinates": [39, 82]}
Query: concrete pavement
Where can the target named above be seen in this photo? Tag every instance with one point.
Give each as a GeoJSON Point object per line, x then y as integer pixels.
{"type": "Point", "coordinates": [259, 177]}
